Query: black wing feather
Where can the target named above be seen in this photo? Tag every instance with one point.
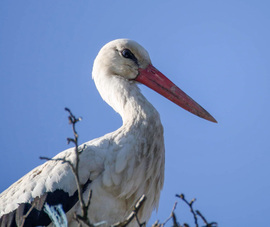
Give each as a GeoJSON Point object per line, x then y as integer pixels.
{"type": "Point", "coordinates": [37, 217]}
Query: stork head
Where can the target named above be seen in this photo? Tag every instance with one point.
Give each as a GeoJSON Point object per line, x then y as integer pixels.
{"type": "Point", "coordinates": [129, 60]}
{"type": "Point", "coordinates": [123, 57]}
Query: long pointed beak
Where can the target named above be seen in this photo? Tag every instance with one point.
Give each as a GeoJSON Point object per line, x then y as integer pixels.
{"type": "Point", "coordinates": [155, 80]}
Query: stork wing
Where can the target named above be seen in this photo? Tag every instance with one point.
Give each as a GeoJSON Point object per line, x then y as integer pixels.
{"type": "Point", "coordinates": [52, 183]}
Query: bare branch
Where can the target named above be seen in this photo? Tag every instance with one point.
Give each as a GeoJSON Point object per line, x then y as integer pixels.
{"type": "Point", "coordinates": [190, 206]}
{"type": "Point", "coordinates": [212, 224]}
{"type": "Point", "coordinates": [27, 214]}
{"type": "Point", "coordinates": [83, 218]}
{"type": "Point", "coordinates": [156, 224]}
{"type": "Point", "coordinates": [132, 214]}
{"type": "Point", "coordinates": [172, 216]}
{"type": "Point", "coordinates": [89, 198]}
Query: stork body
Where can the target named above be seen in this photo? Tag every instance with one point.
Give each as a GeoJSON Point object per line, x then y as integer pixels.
{"type": "Point", "coordinates": [118, 167]}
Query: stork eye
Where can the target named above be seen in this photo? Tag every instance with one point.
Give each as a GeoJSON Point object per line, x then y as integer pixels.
{"type": "Point", "coordinates": [126, 53]}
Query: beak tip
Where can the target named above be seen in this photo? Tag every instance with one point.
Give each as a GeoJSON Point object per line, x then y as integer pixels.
{"type": "Point", "coordinates": [212, 119]}
{"type": "Point", "coordinates": [215, 121]}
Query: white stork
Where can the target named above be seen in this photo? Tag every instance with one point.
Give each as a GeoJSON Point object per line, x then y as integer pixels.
{"type": "Point", "coordinates": [118, 167]}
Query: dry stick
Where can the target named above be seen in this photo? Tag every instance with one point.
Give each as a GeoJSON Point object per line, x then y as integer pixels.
{"type": "Point", "coordinates": [190, 206]}
{"type": "Point", "coordinates": [212, 224]}
{"type": "Point", "coordinates": [138, 221]}
{"type": "Point", "coordinates": [204, 220]}
{"type": "Point", "coordinates": [84, 207]}
{"type": "Point", "coordinates": [75, 169]}
{"type": "Point", "coordinates": [176, 224]}
{"type": "Point", "coordinates": [26, 215]}
{"type": "Point", "coordinates": [172, 215]}
{"type": "Point", "coordinates": [156, 224]}
{"type": "Point", "coordinates": [132, 214]}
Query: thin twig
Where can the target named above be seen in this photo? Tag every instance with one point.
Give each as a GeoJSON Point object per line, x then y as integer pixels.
{"type": "Point", "coordinates": [172, 216]}
{"type": "Point", "coordinates": [190, 206]}
{"type": "Point", "coordinates": [75, 169]}
{"type": "Point", "coordinates": [156, 224]}
{"type": "Point", "coordinates": [132, 214]}
{"type": "Point", "coordinates": [205, 221]}
{"type": "Point", "coordinates": [63, 160]}
{"type": "Point", "coordinates": [73, 120]}
{"type": "Point", "coordinates": [27, 214]}
{"type": "Point", "coordinates": [202, 217]}
{"type": "Point", "coordinates": [138, 221]}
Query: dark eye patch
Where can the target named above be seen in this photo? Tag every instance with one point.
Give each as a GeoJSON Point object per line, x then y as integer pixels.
{"type": "Point", "coordinates": [126, 53]}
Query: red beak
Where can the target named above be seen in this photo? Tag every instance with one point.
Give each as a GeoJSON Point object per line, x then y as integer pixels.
{"type": "Point", "coordinates": [155, 80]}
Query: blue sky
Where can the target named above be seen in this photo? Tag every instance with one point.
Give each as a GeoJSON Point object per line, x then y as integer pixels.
{"type": "Point", "coordinates": [216, 51]}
